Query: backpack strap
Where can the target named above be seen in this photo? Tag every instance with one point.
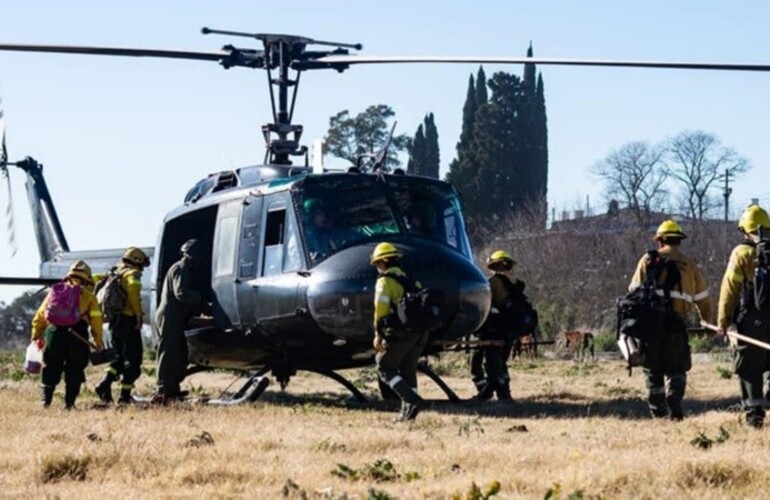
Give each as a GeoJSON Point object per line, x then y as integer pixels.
{"type": "Point", "coordinates": [406, 282]}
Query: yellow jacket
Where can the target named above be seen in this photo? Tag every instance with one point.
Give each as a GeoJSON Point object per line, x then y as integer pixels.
{"type": "Point", "coordinates": [131, 282]}
{"type": "Point", "coordinates": [692, 287]}
{"type": "Point", "coordinates": [743, 261]}
{"type": "Point", "coordinates": [89, 311]}
{"type": "Point", "coordinates": [387, 293]}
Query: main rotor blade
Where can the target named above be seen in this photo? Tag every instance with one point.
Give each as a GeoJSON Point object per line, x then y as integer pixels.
{"type": "Point", "coordinates": [354, 59]}
{"type": "Point", "coordinates": [116, 51]}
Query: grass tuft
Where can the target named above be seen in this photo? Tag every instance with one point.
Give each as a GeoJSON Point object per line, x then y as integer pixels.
{"type": "Point", "coordinates": [57, 468]}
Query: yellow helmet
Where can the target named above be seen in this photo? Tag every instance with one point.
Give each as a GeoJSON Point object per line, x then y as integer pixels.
{"type": "Point", "coordinates": [136, 257]}
{"type": "Point", "coordinates": [81, 270]}
{"type": "Point", "coordinates": [669, 228]}
{"type": "Point", "coordinates": [385, 251]}
{"type": "Point", "coordinates": [500, 257]}
{"type": "Point", "coordinates": [753, 218]}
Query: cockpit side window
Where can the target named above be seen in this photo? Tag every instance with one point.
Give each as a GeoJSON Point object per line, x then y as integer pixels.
{"type": "Point", "coordinates": [274, 233]}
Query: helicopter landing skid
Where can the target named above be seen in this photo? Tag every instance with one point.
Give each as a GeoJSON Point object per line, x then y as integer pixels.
{"type": "Point", "coordinates": [347, 384]}
{"type": "Point", "coordinates": [423, 368]}
{"type": "Point", "coordinates": [248, 393]}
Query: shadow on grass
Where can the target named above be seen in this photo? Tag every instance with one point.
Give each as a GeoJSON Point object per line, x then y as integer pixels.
{"type": "Point", "coordinates": [563, 405]}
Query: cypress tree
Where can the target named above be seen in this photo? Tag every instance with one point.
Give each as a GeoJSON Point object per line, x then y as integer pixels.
{"type": "Point", "coordinates": [432, 155]}
{"type": "Point", "coordinates": [416, 165]}
{"type": "Point", "coordinates": [541, 140]}
{"type": "Point", "coordinates": [459, 169]}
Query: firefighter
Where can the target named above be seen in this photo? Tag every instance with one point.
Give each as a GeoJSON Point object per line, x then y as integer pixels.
{"type": "Point", "coordinates": [127, 330]}
{"type": "Point", "coordinates": [489, 364]}
{"type": "Point", "coordinates": [66, 348]}
{"type": "Point", "coordinates": [398, 351]}
{"type": "Point", "coordinates": [737, 305]}
{"type": "Point", "coordinates": [179, 299]}
{"type": "Point", "coordinates": [667, 355]}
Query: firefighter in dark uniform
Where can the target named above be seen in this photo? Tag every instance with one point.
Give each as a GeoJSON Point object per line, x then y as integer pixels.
{"type": "Point", "coordinates": [736, 305]}
{"type": "Point", "coordinates": [489, 364]}
{"type": "Point", "coordinates": [668, 355]}
{"type": "Point", "coordinates": [64, 352]}
{"type": "Point", "coordinates": [397, 351]}
{"type": "Point", "coordinates": [127, 330]}
{"type": "Point", "coordinates": [179, 299]}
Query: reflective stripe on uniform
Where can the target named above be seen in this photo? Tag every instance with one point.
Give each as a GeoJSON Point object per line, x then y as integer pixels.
{"type": "Point", "coordinates": [95, 313]}
{"type": "Point", "coordinates": [657, 390]}
{"type": "Point", "coordinates": [494, 310]}
{"type": "Point", "coordinates": [134, 282]}
{"type": "Point", "coordinates": [112, 370]}
{"type": "Point", "coordinates": [700, 296]}
{"type": "Point", "coordinates": [753, 403]}
{"type": "Point", "coordinates": [394, 381]}
{"type": "Point", "coordinates": [126, 386]}
{"type": "Point", "coordinates": [383, 298]}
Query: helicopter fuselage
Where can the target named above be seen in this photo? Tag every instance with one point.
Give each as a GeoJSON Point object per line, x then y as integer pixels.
{"type": "Point", "coordinates": [278, 299]}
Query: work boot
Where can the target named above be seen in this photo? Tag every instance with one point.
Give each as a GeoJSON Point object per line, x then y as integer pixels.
{"type": "Point", "coordinates": [658, 408]}
{"type": "Point", "coordinates": [504, 392]}
{"type": "Point", "coordinates": [71, 392]}
{"type": "Point", "coordinates": [410, 411]}
{"type": "Point", "coordinates": [125, 397]}
{"type": "Point", "coordinates": [675, 408]}
{"type": "Point", "coordinates": [486, 392]}
{"type": "Point", "coordinates": [46, 395]}
{"type": "Point", "coordinates": [104, 389]}
{"type": "Point", "coordinates": [755, 417]}
{"type": "Point", "coordinates": [400, 417]}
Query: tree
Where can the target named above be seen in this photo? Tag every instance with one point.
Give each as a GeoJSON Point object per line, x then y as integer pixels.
{"type": "Point", "coordinates": [432, 153]}
{"type": "Point", "coordinates": [424, 153]}
{"type": "Point", "coordinates": [460, 169]}
{"type": "Point", "coordinates": [698, 161]}
{"type": "Point", "coordinates": [16, 319]}
{"type": "Point", "coordinates": [366, 133]}
{"type": "Point", "coordinates": [635, 175]}
{"type": "Point", "coordinates": [416, 163]}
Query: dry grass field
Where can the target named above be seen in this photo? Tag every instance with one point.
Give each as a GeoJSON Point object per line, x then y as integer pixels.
{"type": "Point", "coordinates": [574, 431]}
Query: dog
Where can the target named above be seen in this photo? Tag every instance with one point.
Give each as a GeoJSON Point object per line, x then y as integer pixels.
{"type": "Point", "coordinates": [580, 344]}
{"type": "Point", "coordinates": [527, 345]}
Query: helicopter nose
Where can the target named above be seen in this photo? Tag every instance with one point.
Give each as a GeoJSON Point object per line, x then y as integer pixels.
{"type": "Point", "coordinates": [340, 293]}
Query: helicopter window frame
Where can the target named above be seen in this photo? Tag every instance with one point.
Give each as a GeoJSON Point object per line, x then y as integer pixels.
{"type": "Point", "coordinates": [226, 244]}
{"type": "Point", "coordinates": [251, 234]}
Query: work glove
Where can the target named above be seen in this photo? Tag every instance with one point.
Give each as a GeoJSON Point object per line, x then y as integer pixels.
{"type": "Point", "coordinates": [733, 341]}
{"type": "Point", "coordinates": [378, 346]}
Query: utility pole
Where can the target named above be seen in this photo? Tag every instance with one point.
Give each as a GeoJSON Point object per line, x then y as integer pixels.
{"type": "Point", "coordinates": [726, 193]}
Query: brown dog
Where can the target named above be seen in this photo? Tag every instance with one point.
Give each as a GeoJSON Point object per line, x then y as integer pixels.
{"type": "Point", "coordinates": [580, 344]}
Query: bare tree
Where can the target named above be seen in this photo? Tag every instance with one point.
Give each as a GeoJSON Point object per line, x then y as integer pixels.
{"type": "Point", "coordinates": [635, 175]}
{"type": "Point", "coordinates": [698, 161]}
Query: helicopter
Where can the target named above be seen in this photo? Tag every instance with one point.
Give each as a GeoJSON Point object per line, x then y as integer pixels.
{"type": "Point", "coordinates": [280, 301]}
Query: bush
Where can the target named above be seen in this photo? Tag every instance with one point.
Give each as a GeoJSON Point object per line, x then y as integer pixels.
{"type": "Point", "coordinates": [605, 342]}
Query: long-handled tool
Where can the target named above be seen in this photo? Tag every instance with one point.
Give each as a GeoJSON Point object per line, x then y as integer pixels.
{"type": "Point", "coordinates": [736, 335]}
{"type": "Point", "coordinates": [97, 357]}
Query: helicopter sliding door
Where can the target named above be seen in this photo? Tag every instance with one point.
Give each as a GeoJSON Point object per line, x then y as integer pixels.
{"type": "Point", "coordinates": [223, 265]}
{"type": "Point", "coordinates": [248, 257]}
{"type": "Point", "coordinates": [274, 298]}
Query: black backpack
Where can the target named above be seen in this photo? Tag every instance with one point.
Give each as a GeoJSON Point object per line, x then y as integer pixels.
{"type": "Point", "coordinates": [756, 294]}
{"type": "Point", "coordinates": [642, 313]}
{"type": "Point", "coordinates": [518, 313]}
{"type": "Point", "coordinates": [419, 309]}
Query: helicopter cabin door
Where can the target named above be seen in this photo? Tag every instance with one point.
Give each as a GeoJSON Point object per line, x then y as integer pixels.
{"type": "Point", "coordinates": [223, 265]}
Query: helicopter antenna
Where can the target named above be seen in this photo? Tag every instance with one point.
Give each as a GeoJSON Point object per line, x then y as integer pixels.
{"type": "Point", "coordinates": [377, 162]}
{"type": "Point", "coordinates": [281, 54]}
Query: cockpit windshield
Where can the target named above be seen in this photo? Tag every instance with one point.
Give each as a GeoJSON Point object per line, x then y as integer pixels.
{"type": "Point", "coordinates": [430, 209]}
{"type": "Point", "coordinates": [338, 211]}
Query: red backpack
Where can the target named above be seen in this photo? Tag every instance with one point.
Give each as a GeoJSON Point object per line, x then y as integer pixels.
{"type": "Point", "coordinates": [63, 308]}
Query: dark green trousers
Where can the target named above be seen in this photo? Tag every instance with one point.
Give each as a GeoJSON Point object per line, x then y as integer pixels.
{"type": "Point", "coordinates": [750, 363]}
{"type": "Point", "coordinates": [65, 354]}
{"type": "Point", "coordinates": [397, 366]}
{"type": "Point", "coordinates": [127, 341]}
{"type": "Point", "coordinates": [489, 365]}
{"type": "Point", "coordinates": [667, 357]}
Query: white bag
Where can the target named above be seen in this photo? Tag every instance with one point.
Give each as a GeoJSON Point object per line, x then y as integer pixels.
{"type": "Point", "coordinates": [631, 348]}
{"type": "Point", "coordinates": [33, 361]}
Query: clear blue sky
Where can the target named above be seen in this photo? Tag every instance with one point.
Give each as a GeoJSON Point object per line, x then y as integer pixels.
{"type": "Point", "coordinates": [124, 138]}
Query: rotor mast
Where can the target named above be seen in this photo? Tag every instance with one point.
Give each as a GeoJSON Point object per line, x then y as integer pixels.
{"type": "Point", "coordinates": [282, 53]}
